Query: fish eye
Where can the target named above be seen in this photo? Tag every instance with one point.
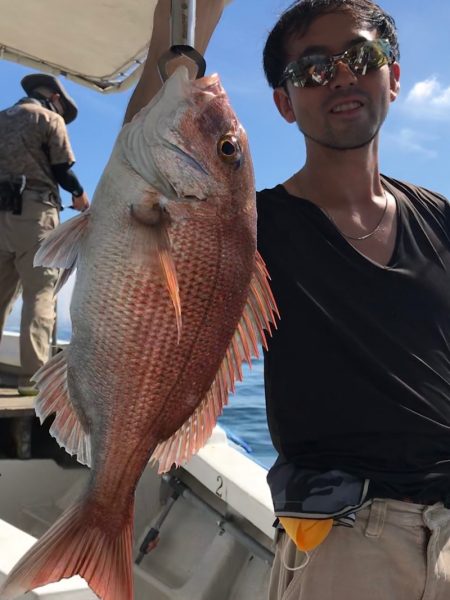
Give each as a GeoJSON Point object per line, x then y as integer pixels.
{"type": "Point", "coordinates": [229, 149]}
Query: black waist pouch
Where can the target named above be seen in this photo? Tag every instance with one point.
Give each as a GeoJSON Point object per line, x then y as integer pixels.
{"type": "Point", "coordinates": [309, 494]}
{"type": "Point", "coordinates": [11, 194]}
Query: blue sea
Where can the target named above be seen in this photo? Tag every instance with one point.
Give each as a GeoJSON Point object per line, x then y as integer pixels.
{"type": "Point", "coordinates": [245, 416]}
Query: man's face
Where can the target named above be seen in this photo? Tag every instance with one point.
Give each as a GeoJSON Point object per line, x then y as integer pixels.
{"type": "Point", "coordinates": [348, 112]}
{"type": "Point", "coordinates": [55, 99]}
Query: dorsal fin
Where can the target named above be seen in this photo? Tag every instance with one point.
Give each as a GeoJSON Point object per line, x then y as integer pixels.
{"type": "Point", "coordinates": [260, 314]}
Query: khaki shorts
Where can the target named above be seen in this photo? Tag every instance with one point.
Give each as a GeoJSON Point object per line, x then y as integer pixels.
{"type": "Point", "coordinates": [395, 551]}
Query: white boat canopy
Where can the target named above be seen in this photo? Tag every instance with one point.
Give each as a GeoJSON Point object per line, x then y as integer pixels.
{"type": "Point", "coordinates": [98, 43]}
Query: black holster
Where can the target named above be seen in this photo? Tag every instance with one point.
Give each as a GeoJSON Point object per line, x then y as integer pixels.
{"type": "Point", "coordinates": [11, 190]}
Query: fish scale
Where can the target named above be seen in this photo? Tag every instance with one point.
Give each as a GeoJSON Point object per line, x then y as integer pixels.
{"type": "Point", "coordinates": [169, 299]}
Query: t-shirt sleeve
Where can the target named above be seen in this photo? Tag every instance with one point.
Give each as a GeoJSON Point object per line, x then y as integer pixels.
{"type": "Point", "coordinates": [58, 143]}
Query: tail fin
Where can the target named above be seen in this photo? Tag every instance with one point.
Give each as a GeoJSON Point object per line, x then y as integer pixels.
{"type": "Point", "coordinates": [77, 545]}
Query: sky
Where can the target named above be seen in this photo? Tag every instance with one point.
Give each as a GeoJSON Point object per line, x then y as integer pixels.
{"type": "Point", "coordinates": [415, 140]}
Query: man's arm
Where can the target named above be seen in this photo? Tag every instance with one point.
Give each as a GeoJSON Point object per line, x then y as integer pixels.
{"type": "Point", "coordinates": [208, 13]}
{"type": "Point", "coordinates": [61, 158]}
{"type": "Point", "coordinates": [67, 179]}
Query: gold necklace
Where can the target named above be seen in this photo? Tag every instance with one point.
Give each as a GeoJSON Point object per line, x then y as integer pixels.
{"type": "Point", "coordinates": [367, 235]}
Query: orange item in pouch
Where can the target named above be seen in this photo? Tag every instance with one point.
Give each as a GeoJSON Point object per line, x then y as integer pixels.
{"type": "Point", "coordinates": [306, 534]}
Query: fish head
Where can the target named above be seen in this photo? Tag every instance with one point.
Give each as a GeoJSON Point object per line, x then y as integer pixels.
{"type": "Point", "coordinates": [189, 145]}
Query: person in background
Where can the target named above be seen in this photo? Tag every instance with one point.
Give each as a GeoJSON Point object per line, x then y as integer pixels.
{"type": "Point", "coordinates": [35, 157]}
{"type": "Point", "coordinates": [357, 376]}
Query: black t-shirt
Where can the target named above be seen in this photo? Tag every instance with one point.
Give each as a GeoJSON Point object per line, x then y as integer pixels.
{"type": "Point", "coordinates": [357, 375]}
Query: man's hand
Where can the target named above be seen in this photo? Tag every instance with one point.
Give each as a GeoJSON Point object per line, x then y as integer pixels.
{"type": "Point", "coordinates": [80, 202]}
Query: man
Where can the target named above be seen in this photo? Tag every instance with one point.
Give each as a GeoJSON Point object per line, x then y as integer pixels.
{"type": "Point", "coordinates": [35, 156]}
{"type": "Point", "coordinates": [358, 373]}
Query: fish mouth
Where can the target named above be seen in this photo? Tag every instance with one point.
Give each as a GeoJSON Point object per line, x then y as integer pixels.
{"type": "Point", "coordinates": [208, 83]}
{"type": "Point", "coordinates": [209, 87]}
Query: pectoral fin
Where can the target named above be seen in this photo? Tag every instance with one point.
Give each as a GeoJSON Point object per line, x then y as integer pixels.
{"type": "Point", "coordinates": [151, 213]}
{"type": "Point", "coordinates": [60, 247]}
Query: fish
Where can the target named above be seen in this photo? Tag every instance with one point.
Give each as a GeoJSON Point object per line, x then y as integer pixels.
{"type": "Point", "coordinates": [170, 298]}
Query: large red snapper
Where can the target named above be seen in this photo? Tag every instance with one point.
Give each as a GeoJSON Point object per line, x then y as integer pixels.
{"type": "Point", "coordinates": [170, 298]}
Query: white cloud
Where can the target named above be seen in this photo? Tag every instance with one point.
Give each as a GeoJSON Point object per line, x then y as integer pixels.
{"type": "Point", "coordinates": [423, 90]}
{"type": "Point", "coordinates": [429, 99]}
{"type": "Point", "coordinates": [416, 142]}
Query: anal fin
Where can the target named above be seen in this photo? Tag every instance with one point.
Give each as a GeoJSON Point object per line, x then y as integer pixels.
{"type": "Point", "coordinates": [53, 398]}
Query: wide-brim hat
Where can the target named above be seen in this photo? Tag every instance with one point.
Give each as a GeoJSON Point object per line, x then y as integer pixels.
{"type": "Point", "coordinates": [31, 82]}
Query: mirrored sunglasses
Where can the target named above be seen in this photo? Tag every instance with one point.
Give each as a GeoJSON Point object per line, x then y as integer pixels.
{"type": "Point", "coordinates": [319, 69]}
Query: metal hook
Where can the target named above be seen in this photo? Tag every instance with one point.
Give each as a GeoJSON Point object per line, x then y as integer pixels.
{"type": "Point", "coordinates": [182, 38]}
{"type": "Point", "coordinates": [176, 51]}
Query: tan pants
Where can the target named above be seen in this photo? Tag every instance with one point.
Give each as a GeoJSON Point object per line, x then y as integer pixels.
{"type": "Point", "coordinates": [395, 551]}
{"type": "Point", "coordinates": [20, 236]}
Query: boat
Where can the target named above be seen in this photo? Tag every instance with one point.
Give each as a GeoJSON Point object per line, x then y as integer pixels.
{"type": "Point", "coordinates": [203, 531]}
{"type": "Point", "coordinates": [207, 524]}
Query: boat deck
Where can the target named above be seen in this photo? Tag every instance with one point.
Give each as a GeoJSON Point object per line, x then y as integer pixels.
{"type": "Point", "coordinates": [14, 405]}
{"type": "Point", "coordinates": [21, 433]}
{"type": "Point", "coordinates": [16, 422]}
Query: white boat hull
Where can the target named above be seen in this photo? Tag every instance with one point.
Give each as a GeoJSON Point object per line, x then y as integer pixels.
{"type": "Point", "coordinates": [215, 543]}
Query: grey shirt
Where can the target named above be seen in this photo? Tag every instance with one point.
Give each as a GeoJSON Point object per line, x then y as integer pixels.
{"type": "Point", "coordinates": [33, 139]}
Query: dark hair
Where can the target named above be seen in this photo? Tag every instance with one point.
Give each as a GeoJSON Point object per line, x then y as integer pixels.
{"type": "Point", "coordinates": [299, 16]}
